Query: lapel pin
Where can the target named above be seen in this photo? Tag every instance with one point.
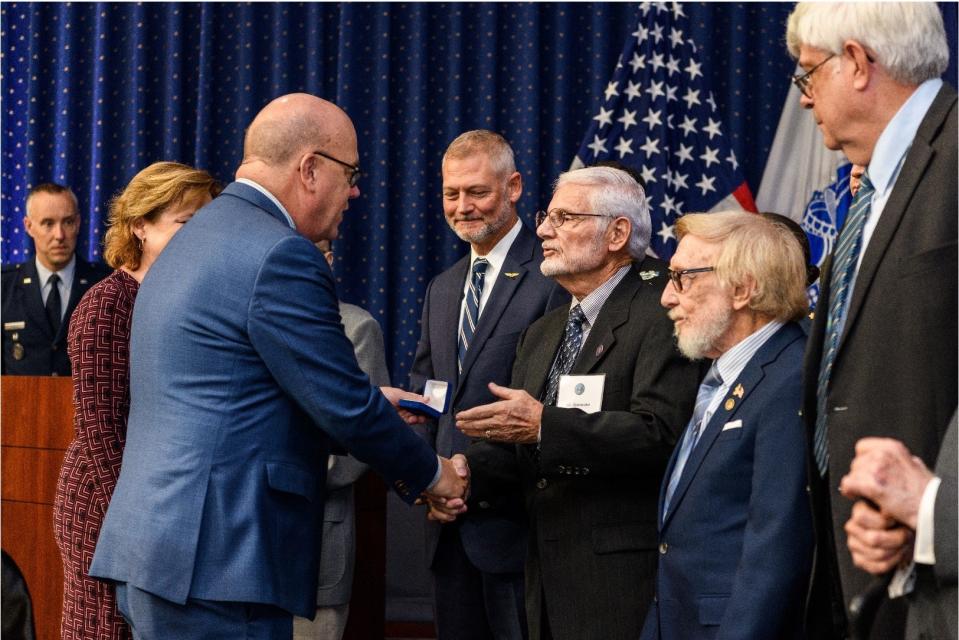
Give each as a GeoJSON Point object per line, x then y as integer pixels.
{"type": "Point", "coordinates": [730, 403]}
{"type": "Point", "coordinates": [83, 280]}
{"type": "Point", "coordinates": [27, 280]}
{"type": "Point", "coordinates": [511, 274]}
{"type": "Point", "coordinates": [648, 275]}
{"type": "Point", "coordinates": [18, 351]}
{"type": "Point", "coordinates": [739, 391]}
{"type": "Point", "coordinates": [599, 351]}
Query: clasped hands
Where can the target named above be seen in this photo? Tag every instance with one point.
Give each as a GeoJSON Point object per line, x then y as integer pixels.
{"type": "Point", "coordinates": [887, 482]}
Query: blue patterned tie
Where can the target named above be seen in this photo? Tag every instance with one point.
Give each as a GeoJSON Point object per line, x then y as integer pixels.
{"type": "Point", "coordinates": [471, 313]}
{"type": "Point", "coordinates": [843, 268]}
{"type": "Point", "coordinates": [707, 388]}
{"type": "Point", "coordinates": [572, 342]}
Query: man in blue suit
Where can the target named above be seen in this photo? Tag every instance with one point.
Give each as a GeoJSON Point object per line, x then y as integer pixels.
{"type": "Point", "coordinates": [242, 381]}
{"type": "Point", "coordinates": [735, 531]}
{"type": "Point", "coordinates": [477, 562]}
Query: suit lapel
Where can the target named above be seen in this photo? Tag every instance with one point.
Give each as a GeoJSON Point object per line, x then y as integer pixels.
{"type": "Point", "coordinates": [448, 318]}
{"type": "Point", "coordinates": [737, 395]}
{"type": "Point", "coordinates": [33, 299]}
{"type": "Point", "coordinates": [537, 373]}
{"type": "Point", "coordinates": [614, 313]}
{"type": "Point", "coordinates": [254, 197]}
{"type": "Point", "coordinates": [914, 165]}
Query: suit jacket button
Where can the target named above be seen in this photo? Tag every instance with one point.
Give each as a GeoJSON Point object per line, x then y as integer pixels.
{"type": "Point", "coordinates": [585, 471]}
{"type": "Point", "coordinates": [484, 504]}
{"type": "Point", "coordinates": [663, 547]}
{"type": "Point", "coordinates": [541, 483]}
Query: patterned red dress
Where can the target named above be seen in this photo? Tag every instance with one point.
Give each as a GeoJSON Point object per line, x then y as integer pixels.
{"type": "Point", "coordinates": [98, 344]}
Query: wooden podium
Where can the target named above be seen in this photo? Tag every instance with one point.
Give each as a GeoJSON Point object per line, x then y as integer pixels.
{"type": "Point", "coordinates": [36, 423]}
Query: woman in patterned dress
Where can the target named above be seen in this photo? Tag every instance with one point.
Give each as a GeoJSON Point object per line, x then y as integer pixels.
{"type": "Point", "coordinates": [143, 218]}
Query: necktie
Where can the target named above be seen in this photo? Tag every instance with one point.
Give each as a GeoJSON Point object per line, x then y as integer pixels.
{"type": "Point", "coordinates": [471, 313]}
{"type": "Point", "coordinates": [707, 388]}
{"type": "Point", "coordinates": [53, 306]}
{"type": "Point", "coordinates": [843, 268]}
{"type": "Point", "coordinates": [572, 342]}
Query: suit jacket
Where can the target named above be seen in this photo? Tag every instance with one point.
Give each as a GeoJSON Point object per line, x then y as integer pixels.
{"type": "Point", "coordinates": [44, 354]}
{"type": "Point", "coordinates": [591, 486]}
{"type": "Point", "coordinates": [932, 605]}
{"type": "Point", "coordinates": [736, 545]}
{"type": "Point", "coordinates": [494, 534]}
{"type": "Point", "coordinates": [338, 555]}
{"type": "Point", "coordinates": [894, 373]}
{"type": "Point", "coordinates": [240, 379]}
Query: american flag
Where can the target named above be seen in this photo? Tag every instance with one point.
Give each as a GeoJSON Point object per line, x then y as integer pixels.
{"type": "Point", "coordinates": [659, 116]}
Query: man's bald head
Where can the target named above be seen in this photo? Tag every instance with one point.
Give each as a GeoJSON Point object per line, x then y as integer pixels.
{"type": "Point", "coordinates": [287, 125]}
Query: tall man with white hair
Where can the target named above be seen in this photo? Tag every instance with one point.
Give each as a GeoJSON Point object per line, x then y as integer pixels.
{"type": "Point", "coordinates": [881, 359]}
{"type": "Point", "coordinates": [598, 397]}
{"type": "Point", "coordinates": [735, 529]}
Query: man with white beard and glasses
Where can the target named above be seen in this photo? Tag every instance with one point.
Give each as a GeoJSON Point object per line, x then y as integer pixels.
{"type": "Point", "coordinates": [735, 530]}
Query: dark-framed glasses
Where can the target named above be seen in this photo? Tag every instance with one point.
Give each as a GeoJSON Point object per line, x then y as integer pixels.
{"type": "Point", "coordinates": [676, 277]}
{"type": "Point", "coordinates": [354, 176]}
{"type": "Point", "coordinates": [557, 217]}
{"type": "Point", "coordinates": [803, 82]}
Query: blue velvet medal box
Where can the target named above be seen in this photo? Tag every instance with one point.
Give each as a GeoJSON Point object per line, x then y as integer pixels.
{"type": "Point", "coordinates": [437, 400]}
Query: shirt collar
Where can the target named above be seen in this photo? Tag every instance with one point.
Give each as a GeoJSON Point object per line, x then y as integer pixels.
{"type": "Point", "coordinates": [262, 189]}
{"type": "Point", "coordinates": [66, 273]}
{"type": "Point", "coordinates": [593, 303]}
{"type": "Point", "coordinates": [497, 254]}
{"type": "Point", "coordinates": [732, 363]}
{"type": "Point", "coordinates": [898, 135]}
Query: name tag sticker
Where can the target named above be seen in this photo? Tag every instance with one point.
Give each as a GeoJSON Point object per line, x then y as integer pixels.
{"type": "Point", "coordinates": [581, 392]}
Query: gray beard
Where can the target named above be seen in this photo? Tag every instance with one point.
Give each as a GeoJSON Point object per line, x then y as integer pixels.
{"type": "Point", "coordinates": [694, 343]}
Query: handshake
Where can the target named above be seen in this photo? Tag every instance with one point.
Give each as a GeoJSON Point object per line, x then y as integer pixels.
{"type": "Point", "coordinates": [447, 497]}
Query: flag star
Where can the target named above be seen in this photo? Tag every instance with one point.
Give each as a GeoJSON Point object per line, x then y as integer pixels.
{"type": "Point", "coordinates": [624, 146]}
{"type": "Point", "coordinates": [632, 90]}
{"type": "Point", "coordinates": [712, 129]}
{"type": "Point", "coordinates": [628, 119]}
{"type": "Point", "coordinates": [638, 62]}
{"type": "Point", "coordinates": [684, 153]}
{"type": "Point", "coordinates": [679, 180]}
{"type": "Point", "coordinates": [668, 177]}
{"type": "Point", "coordinates": [604, 117]}
{"type": "Point", "coordinates": [598, 145]}
{"type": "Point", "coordinates": [652, 118]}
{"type": "Point", "coordinates": [612, 89]}
{"type": "Point", "coordinates": [656, 90]}
{"type": "Point", "coordinates": [712, 103]}
{"type": "Point", "coordinates": [672, 66]}
{"type": "Point", "coordinates": [619, 62]}
{"type": "Point", "coordinates": [666, 233]}
{"type": "Point", "coordinates": [688, 126]}
{"type": "Point", "coordinates": [706, 184]}
{"type": "Point", "coordinates": [678, 11]}
{"type": "Point", "coordinates": [691, 98]}
{"type": "Point", "coordinates": [709, 156]}
{"type": "Point", "coordinates": [650, 147]}
{"type": "Point", "coordinates": [648, 175]}
{"type": "Point", "coordinates": [668, 204]}
{"type": "Point", "coordinates": [657, 62]}
{"type": "Point", "coordinates": [679, 208]}
{"type": "Point", "coordinates": [660, 6]}
{"type": "Point", "coordinates": [669, 122]}
{"type": "Point", "coordinates": [675, 36]}
{"type": "Point", "coordinates": [693, 69]}
{"type": "Point", "coordinates": [731, 159]}
{"type": "Point", "coordinates": [641, 33]}
{"type": "Point", "coordinates": [657, 32]}
{"type": "Point", "coordinates": [644, 7]}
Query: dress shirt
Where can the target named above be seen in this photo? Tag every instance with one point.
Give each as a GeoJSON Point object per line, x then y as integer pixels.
{"type": "Point", "coordinates": [732, 363]}
{"type": "Point", "coordinates": [66, 282]}
{"type": "Point", "coordinates": [264, 191]}
{"type": "Point", "coordinates": [593, 303]}
{"type": "Point", "coordinates": [495, 258]}
{"type": "Point", "coordinates": [924, 549]}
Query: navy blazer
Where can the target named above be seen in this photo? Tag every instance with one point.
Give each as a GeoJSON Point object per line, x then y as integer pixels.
{"type": "Point", "coordinates": [42, 353]}
{"type": "Point", "coordinates": [494, 533]}
{"type": "Point", "coordinates": [736, 546]}
{"type": "Point", "coordinates": [241, 377]}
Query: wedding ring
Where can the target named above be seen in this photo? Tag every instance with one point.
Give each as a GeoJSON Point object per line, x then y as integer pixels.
{"type": "Point", "coordinates": [487, 434]}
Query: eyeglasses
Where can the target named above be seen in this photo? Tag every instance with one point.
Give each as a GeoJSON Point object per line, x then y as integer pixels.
{"type": "Point", "coordinates": [676, 277]}
{"type": "Point", "coordinates": [354, 169]}
{"type": "Point", "coordinates": [803, 82]}
{"type": "Point", "coordinates": [558, 217]}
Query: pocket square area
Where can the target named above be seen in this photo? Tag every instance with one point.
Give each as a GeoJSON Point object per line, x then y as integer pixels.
{"type": "Point", "coordinates": [735, 424]}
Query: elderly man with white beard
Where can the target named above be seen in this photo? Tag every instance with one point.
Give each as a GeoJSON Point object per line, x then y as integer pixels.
{"type": "Point", "coordinates": [735, 530]}
{"type": "Point", "coordinates": [598, 396]}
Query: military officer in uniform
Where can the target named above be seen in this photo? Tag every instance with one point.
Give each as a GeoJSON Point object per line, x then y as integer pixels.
{"type": "Point", "coordinates": [39, 295]}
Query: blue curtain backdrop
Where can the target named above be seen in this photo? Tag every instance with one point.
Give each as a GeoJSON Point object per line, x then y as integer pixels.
{"type": "Point", "coordinates": [93, 92]}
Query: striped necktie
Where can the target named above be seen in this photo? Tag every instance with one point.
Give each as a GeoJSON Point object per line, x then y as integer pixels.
{"type": "Point", "coordinates": [472, 311]}
{"type": "Point", "coordinates": [843, 268]}
{"type": "Point", "coordinates": [572, 342]}
{"type": "Point", "coordinates": [707, 388]}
